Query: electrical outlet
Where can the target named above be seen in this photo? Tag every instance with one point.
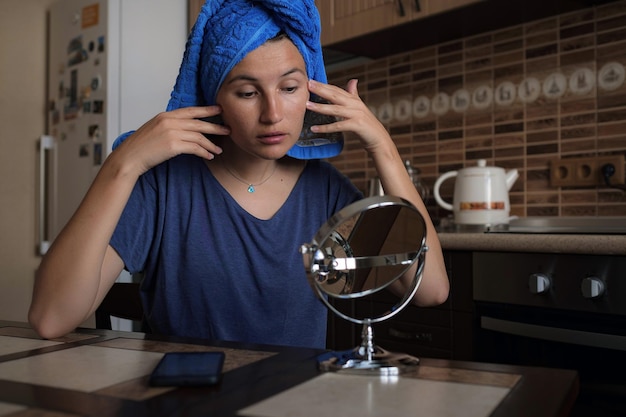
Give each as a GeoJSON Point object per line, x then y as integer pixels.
{"type": "Point", "coordinates": [585, 172]}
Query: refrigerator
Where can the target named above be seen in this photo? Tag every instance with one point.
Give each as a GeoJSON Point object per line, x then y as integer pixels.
{"type": "Point", "coordinates": [112, 65]}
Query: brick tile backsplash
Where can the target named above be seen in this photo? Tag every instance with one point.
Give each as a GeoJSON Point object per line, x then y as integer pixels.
{"type": "Point", "coordinates": [517, 97]}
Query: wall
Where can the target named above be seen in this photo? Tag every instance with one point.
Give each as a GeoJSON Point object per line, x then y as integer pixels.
{"type": "Point", "coordinates": [22, 120]}
{"type": "Point", "coordinates": [450, 104]}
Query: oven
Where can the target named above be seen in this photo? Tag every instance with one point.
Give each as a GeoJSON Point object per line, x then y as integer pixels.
{"type": "Point", "coordinates": [556, 310]}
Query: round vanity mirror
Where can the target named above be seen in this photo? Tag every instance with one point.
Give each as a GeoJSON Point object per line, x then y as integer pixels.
{"type": "Point", "coordinates": [361, 253]}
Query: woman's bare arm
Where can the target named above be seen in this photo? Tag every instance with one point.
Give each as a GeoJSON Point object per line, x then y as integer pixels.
{"type": "Point", "coordinates": [80, 267]}
{"type": "Point", "coordinates": [355, 117]}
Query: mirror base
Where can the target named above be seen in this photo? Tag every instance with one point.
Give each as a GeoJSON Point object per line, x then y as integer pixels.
{"type": "Point", "coordinates": [382, 362]}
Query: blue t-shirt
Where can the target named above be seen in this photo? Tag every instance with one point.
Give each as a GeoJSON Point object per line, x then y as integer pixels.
{"type": "Point", "coordinates": [214, 271]}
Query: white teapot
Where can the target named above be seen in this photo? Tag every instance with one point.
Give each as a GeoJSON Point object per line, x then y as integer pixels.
{"type": "Point", "coordinates": [481, 194]}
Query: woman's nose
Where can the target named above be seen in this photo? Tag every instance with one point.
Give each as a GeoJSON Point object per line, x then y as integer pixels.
{"type": "Point", "coordinates": [272, 111]}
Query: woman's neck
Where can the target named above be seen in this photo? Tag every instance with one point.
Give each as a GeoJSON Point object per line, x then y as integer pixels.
{"type": "Point", "coordinates": [250, 168]}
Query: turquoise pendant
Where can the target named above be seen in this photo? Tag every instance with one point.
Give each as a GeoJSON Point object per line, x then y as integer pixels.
{"type": "Point", "coordinates": [251, 188]}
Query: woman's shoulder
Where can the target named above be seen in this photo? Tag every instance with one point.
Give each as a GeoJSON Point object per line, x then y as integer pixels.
{"type": "Point", "coordinates": [180, 170]}
{"type": "Point", "coordinates": [322, 173]}
{"type": "Point", "coordinates": [307, 168]}
{"type": "Point", "coordinates": [180, 164]}
{"type": "Point", "coordinates": [319, 166]}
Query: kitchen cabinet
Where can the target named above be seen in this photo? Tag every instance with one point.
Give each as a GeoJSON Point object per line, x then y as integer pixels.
{"type": "Point", "coordinates": [438, 6]}
{"type": "Point", "coordinates": [445, 331]}
{"type": "Point", "coordinates": [344, 19]}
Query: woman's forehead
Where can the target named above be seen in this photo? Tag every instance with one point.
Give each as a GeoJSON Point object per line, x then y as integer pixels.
{"type": "Point", "coordinates": [275, 58]}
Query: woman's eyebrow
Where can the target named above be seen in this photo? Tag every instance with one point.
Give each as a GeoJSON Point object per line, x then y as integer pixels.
{"type": "Point", "coordinates": [246, 77]}
{"type": "Point", "coordinates": [294, 70]}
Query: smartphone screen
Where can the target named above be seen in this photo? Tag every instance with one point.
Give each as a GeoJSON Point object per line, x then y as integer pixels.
{"type": "Point", "coordinates": [309, 138]}
{"type": "Point", "coordinates": [217, 119]}
{"type": "Point", "coordinates": [188, 369]}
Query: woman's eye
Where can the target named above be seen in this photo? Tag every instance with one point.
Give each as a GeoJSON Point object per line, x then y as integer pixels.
{"type": "Point", "coordinates": [290, 89]}
{"type": "Point", "coordinates": [246, 94]}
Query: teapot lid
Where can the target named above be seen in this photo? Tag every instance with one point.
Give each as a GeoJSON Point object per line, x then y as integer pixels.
{"type": "Point", "coordinates": [482, 163]}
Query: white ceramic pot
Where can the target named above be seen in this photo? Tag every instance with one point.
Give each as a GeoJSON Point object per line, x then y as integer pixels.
{"type": "Point", "coordinates": [481, 194]}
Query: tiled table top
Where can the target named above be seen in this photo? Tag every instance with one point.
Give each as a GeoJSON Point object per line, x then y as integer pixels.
{"type": "Point", "coordinates": [9, 344]}
{"type": "Point", "coordinates": [76, 375]}
{"type": "Point", "coordinates": [118, 367]}
{"type": "Point", "coordinates": [349, 395]}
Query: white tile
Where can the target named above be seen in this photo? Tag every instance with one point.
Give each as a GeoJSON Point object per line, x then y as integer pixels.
{"type": "Point", "coordinates": [345, 395]}
{"type": "Point", "coordinates": [9, 344]}
{"type": "Point", "coordinates": [84, 368]}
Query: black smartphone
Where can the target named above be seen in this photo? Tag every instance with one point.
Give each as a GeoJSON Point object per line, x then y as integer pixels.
{"type": "Point", "coordinates": [188, 369]}
{"type": "Point", "coordinates": [217, 119]}
{"type": "Point", "coordinates": [308, 138]}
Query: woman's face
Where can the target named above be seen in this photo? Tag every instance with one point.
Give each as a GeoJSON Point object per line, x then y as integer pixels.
{"type": "Point", "coordinates": [263, 99]}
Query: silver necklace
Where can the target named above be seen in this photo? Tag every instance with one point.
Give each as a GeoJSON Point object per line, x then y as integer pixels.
{"type": "Point", "coordinates": [251, 186]}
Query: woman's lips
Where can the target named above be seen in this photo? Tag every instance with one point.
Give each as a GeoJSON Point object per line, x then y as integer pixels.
{"type": "Point", "coordinates": [272, 137]}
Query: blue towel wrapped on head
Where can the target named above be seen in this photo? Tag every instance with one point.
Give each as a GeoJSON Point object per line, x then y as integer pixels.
{"type": "Point", "coordinates": [227, 30]}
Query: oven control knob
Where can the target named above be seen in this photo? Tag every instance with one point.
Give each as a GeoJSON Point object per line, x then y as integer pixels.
{"type": "Point", "coordinates": [592, 287]}
{"type": "Point", "coordinates": [539, 283]}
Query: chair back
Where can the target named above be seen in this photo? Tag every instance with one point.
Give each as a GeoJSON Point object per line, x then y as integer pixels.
{"type": "Point", "coordinates": [121, 301]}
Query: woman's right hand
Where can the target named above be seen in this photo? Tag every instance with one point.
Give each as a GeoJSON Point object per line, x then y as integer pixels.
{"type": "Point", "coordinates": [80, 267]}
{"type": "Point", "coordinates": [169, 134]}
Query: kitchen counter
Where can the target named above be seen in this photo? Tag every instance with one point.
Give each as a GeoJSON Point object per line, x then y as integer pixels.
{"type": "Point", "coordinates": [588, 244]}
{"type": "Point", "coordinates": [103, 373]}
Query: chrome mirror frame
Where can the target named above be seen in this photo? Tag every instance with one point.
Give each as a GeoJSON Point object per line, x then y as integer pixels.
{"type": "Point", "coordinates": [331, 266]}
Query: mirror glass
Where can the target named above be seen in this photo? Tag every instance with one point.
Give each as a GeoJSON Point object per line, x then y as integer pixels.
{"type": "Point", "coordinates": [363, 249]}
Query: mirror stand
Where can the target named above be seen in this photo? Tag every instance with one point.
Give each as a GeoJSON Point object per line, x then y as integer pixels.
{"type": "Point", "coordinates": [360, 251]}
{"type": "Point", "coordinates": [368, 358]}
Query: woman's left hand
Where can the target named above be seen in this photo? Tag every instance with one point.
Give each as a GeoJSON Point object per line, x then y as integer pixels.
{"type": "Point", "coordinates": [351, 113]}
{"type": "Point", "coordinates": [355, 117]}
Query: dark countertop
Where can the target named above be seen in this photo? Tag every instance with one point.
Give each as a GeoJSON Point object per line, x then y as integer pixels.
{"type": "Point", "coordinates": [590, 244]}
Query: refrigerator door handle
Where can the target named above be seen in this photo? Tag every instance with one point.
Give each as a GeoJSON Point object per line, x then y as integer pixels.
{"type": "Point", "coordinates": [46, 145]}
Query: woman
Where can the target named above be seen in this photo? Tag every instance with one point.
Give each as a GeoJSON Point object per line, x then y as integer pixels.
{"type": "Point", "coordinates": [214, 213]}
